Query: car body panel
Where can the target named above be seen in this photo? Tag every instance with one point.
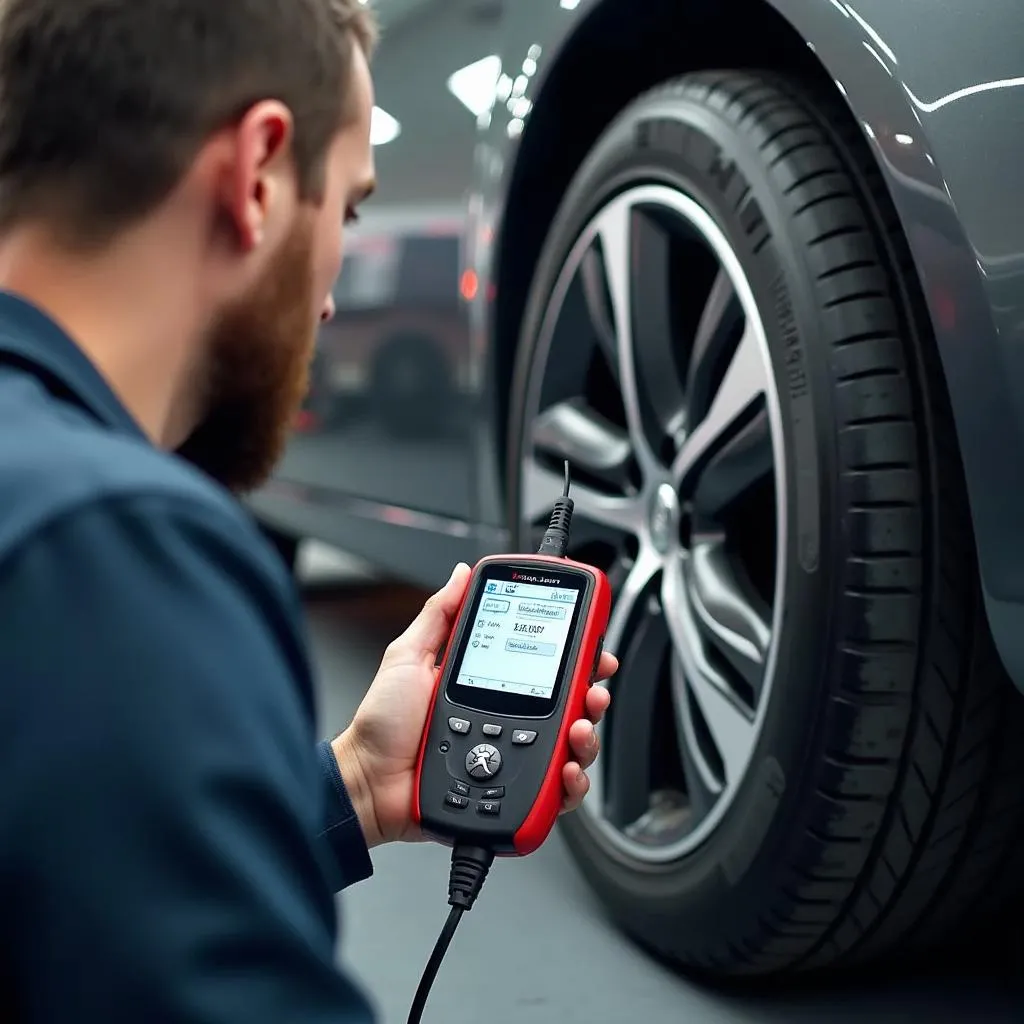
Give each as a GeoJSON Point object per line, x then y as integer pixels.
{"type": "Point", "coordinates": [939, 97]}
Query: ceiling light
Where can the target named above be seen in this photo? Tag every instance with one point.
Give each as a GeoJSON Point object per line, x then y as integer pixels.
{"type": "Point", "coordinates": [383, 128]}
{"type": "Point", "coordinates": [570, 5]}
{"type": "Point", "coordinates": [474, 85]}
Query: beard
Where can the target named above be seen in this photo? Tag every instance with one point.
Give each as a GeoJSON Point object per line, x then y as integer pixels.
{"type": "Point", "coordinates": [257, 371]}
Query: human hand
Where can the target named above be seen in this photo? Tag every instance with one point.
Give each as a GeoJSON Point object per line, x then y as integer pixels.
{"type": "Point", "coordinates": [377, 753]}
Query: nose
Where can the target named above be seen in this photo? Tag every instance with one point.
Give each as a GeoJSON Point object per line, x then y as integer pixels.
{"type": "Point", "coordinates": [327, 313]}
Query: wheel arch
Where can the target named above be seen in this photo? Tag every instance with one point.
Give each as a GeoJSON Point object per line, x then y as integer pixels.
{"type": "Point", "coordinates": [832, 48]}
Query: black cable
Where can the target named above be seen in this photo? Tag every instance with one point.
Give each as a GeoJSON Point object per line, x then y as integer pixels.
{"type": "Point", "coordinates": [434, 963]}
{"type": "Point", "coordinates": [556, 536]}
{"type": "Point", "coordinates": [470, 865]}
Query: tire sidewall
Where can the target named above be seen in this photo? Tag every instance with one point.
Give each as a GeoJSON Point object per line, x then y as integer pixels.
{"type": "Point", "coordinates": [742, 862]}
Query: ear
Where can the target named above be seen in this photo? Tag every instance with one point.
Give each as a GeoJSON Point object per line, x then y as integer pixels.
{"type": "Point", "coordinates": [258, 178]}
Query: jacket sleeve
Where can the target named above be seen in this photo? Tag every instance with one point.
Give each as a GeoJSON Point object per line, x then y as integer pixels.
{"type": "Point", "coordinates": [348, 858]}
{"type": "Point", "coordinates": [168, 861]}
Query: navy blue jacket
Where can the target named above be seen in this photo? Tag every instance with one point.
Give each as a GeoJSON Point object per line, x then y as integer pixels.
{"type": "Point", "coordinates": [171, 835]}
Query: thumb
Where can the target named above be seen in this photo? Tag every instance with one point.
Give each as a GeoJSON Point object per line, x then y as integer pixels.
{"type": "Point", "coordinates": [431, 627]}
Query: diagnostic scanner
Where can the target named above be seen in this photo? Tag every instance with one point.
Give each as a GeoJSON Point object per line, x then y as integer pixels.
{"type": "Point", "coordinates": [524, 651]}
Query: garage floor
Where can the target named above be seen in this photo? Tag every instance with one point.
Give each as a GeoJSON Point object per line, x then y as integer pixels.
{"type": "Point", "coordinates": [494, 971]}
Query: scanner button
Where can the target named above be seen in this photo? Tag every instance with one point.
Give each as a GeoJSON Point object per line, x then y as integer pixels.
{"type": "Point", "coordinates": [483, 761]}
{"type": "Point", "coordinates": [491, 730]}
{"type": "Point", "coordinates": [455, 800]}
{"type": "Point", "coordinates": [459, 725]}
{"type": "Point", "coordinates": [523, 737]}
{"type": "Point", "coordinates": [458, 787]}
{"type": "Point", "coordinates": [490, 807]}
{"type": "Point", "coordinates": [494, 793]}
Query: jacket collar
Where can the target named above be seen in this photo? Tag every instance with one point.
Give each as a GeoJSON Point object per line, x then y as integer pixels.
{"type": "Point", "coordinates": [31, 339]}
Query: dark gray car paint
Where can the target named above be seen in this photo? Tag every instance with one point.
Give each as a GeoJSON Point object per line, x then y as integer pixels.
{"type": "Point", "coordinates": [938, 94]}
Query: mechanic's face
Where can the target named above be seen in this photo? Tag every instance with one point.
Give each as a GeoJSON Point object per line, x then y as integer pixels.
{"type": "Point", "coordinates": [262, 345]}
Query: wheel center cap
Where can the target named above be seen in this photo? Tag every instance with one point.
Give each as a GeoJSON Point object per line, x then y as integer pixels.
{"type": "Point", "coordinates": [663, 516]}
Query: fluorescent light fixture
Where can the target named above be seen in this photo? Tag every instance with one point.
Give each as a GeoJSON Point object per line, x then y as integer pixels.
{"type": "Point", "coordinates": [383, 128]}
{"type": "Point", "coordinates": [474, 85]}
{"type": "Point", "coordinates": [571, 5]}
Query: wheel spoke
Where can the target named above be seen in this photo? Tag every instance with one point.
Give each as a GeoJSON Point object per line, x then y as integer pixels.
{"type": "Point", "coordinates": [570, 430]}
{"type": "Point", "coordinates": [648, 563]}
{"type": "Point", "coordinates": [744, 383]}
{"type": "Point", "coordinates": [722, 314]}
{"type": "Point", "coordinates": [594, 284]}
{"type": "Point", "coordinates": [626, 746]}
{"type": "Point", "coordinates": [637, 583]}
{"type": "Point", "coordinates": [729, 723]}
{"type": "Point", "coordinates": [652, 290]}
{"type": "Point", "coordinates": [732, 471]}
{"type": "Point", "coordinates": [652, 379]}
{"type": "Point", "coordinates": [728, 617]}
{"type": "Point", "coordinates": [702, 786]}
{"type": "Point", "coordinates": [541, 486]}
{"type": "Point", "coordinates": [613, 227]}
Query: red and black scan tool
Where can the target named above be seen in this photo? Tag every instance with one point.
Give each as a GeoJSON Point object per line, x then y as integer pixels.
{"type": "Point", "coordinates": [524, 651]}
{"type": "Point", "coordinates": [521, 657]}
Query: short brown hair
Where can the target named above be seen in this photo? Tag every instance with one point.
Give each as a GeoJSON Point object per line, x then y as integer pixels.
{"type": "Point", "coordinates": [105, 103]}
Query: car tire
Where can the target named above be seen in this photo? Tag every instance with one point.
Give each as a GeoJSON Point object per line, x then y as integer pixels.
{"type": "Point", "coordinates": [880, 809]}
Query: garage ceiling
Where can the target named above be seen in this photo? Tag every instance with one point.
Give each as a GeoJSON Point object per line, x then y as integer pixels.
{"type": "Point", "coordinates": [423, 42]}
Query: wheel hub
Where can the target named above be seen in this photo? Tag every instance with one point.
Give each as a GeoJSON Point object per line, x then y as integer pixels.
{"type": "Point", "coordinates": [663, 518]}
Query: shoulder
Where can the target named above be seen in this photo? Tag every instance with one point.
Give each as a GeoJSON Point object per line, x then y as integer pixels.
{"type": "Point", "coordinates": [139, 564]}
{"type": "Point", "coordinates": [55, 471]}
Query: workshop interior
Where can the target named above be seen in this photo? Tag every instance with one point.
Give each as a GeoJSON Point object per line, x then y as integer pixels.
{"type": "Point", "coordinates": [736, 289]}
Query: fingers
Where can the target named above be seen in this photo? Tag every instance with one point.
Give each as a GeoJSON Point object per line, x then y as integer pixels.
{"type": "Point", "coordinates": [608, 665]}
{"type": "Point", "coordinates": [429, 630]}
{"type": "Point", "coordinates": [584, 745]}
{"type": "Point", "coordinates": [576, 785]}
{"type": "Point", "coordinates": [598, 699]}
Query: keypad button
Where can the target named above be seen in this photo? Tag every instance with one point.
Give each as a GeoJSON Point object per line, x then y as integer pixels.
{"type": "Point", "coordinates": [492, 730]}
{"type": "Point", "coordinates": [458, 787]}
{"type": "Point", "coordinates": [494, 793]}
{"type": "Point", "coordinates": [455, 800]}
{"type": "Point", "coordinates": [459, 725]}
{"type": "Point", "coordinates": [483, 761]}
{"type": "Point", "coordinates": [523, 737]}
{"type": "Point", "coordinates": [492, 808]}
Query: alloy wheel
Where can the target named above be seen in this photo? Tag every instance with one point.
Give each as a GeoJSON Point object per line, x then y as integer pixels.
{"type": "Point", "coordinates": [652, 376]}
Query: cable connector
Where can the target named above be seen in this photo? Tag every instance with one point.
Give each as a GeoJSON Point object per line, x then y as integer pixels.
{"type": "Point", "coordinates": [470, 865]}
{"type": "Point", "coordinates": [556, 536]}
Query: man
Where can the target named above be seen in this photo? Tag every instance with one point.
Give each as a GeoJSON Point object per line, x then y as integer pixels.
{"type": "Point", "coordinates": [174, 177]}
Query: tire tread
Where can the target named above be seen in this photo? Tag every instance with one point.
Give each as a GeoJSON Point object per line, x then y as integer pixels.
{"type": "Point", "coordinates": [918, 805]}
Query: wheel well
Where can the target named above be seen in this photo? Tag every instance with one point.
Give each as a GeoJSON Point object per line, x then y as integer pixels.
{"type": "Point", "coordinates": [621, 49]}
